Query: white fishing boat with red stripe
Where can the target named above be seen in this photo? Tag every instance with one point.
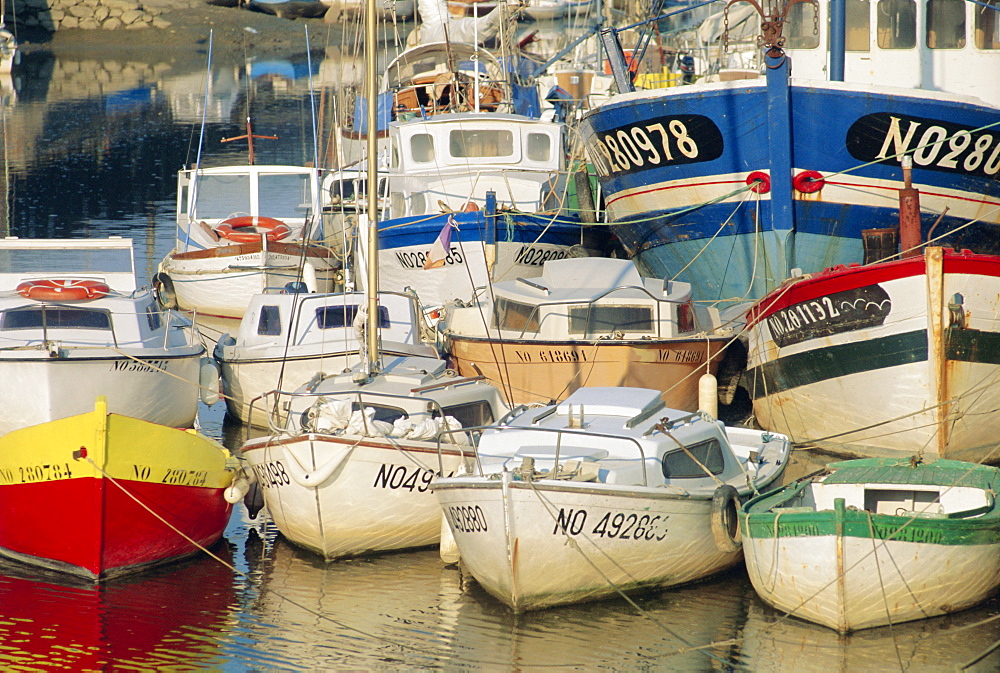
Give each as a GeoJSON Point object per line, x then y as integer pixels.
{"type": "Point", "coordinates": [884, 359]}
{"type": "Point", "coordinates": [74, 325]}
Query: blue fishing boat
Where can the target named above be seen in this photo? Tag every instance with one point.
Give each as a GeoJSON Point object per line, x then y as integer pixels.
{"type": "Point", "coordinates": [732, 184]}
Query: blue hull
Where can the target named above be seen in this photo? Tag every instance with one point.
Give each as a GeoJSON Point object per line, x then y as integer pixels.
{"type": "Point", "coordinates": [676, 168]}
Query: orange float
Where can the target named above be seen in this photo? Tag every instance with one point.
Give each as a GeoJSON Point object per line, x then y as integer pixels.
{"type": "Point", "coordinates": [63, 290]}
{"type": "Point", "coordinates": [249, 229]}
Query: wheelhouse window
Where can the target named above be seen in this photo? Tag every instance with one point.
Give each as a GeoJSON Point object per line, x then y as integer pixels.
{"type": "Point", "coordinates": [418, 203]}
{"type": "Point", "coordinates": [945, 24]}
{"type": "Point", "coordinates": [604, 319]}
{"type": "Point", "coordinates": [269, 323]}
{"type": "Point", "coordinates": [859, 19]}
{"type": "Point", "coordinates": [383, 412]}
{"type": "Point", "coordinates": [332, 317]}
{"type": "Point", "coordinates": [539, 146]}
{"type": "Point", "coordinates": [987, 24]}
{"type": "Point", "coordinates": [285, 196]}
{"type": "Point", "coordinates": [222, 195]}
{"type": "Point", "coordinates": [484, 143]}
{"type": "Point", "coordinates": [55, 317]}
{"type": "Point", "coordinates": [680, 465]}
{"type": "Point", "coordinates": [514, 315]}
{"type": "Point", "coordinates": [472, 414]}
{"type": "Point", "coordinates": [422, 147]}
{"type": "Point", "coordinates": [896, 24]}
{"type": "Point", "coordinates": [801, 27]}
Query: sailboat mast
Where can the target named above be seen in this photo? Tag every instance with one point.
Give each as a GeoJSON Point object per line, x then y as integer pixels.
{"type": "Point", "coordinates": [371, 331]}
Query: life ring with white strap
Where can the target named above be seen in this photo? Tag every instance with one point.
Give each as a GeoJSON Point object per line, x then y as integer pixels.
{"type": "Point", "coordinates": [63, 289]}
{"type": "Point", "coordinates": [249, 229]}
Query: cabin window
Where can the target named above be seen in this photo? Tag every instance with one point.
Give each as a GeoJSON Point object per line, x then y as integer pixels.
{"type": "Point", "coordinates": [481, 143]}
{"type": "Point", "coordinates": [987, 24]}
{"type": "Point", "coordinates": [332, 317]}
{"type": "Point", "coordinates": [514, 315]}
{"type": "Point", "coordinates": [383, 413]}
{"type": "Point", "coordinates": [679, 465]}
{"type": "Point", "coordinates": [397, 204]}
{"type": "Point", "coordinates": [55, 317]}
{"type": "Point", "coordinates": [153, 316]}
{"type": "Point", "coordinates": [418, 204]}
{"type": "Point", "coordinates": [183, 200]}
{"type": "Point", "coordinates": [945, 24]}
{"type": "Point", "coordinates": [604, 319]}
{"type": "Point", "coordinates": [470, 415]}
{"type": "Point", "coordinates": [896, 26]}
{"type": "Point", "coordinates": [394, 155]}
{"type": "Point", "coordinates": [801, 27]}
{"type": "Point", "coordinates": [859, 20]}
{"type": "Point", "coordinates": [220, 196]}
{"type": "Point", "coordinates": [341, 191]}
{"type": "Point", "coordinates": [269, 322]}
{"type": "Point", "coordinates": [422, 147]}
{"type": "Point", "coordinates": [284, 196]}
{"type": "Point", "coordinates": [539, 146]}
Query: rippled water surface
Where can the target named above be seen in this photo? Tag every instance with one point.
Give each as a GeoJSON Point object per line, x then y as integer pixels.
{"type": "Point", "coordinates": [90, 149]}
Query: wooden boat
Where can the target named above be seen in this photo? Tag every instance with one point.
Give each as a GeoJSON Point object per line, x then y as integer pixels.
{"type": "Point", "coordinates": [243, 230]}
{"type": "Point", "coordinates": [607, 492]}
{"type": "Point", "coordinates": [73, 325]}
{"type": "Point", "coordinates": [350, 472]}
{"type": "Point", "coordinates": [588, 322]}
{"type": "Point", "coordinates": [286, 339]}
{"type": "Point", "coordinates": [766, 176]}
{"type": "Point", "coordinates": [100, 495]}
{"type": "Point", "coordinates": [901, 349]}
{"type": "Point", "coordinates": [876, 542]}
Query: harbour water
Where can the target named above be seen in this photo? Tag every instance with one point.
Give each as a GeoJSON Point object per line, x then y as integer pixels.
{"type": "Point", "coordinates": [91, 146]}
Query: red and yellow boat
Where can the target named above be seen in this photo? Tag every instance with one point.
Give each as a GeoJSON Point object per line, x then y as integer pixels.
{"type": "Point", "coordinates": [99, 494]}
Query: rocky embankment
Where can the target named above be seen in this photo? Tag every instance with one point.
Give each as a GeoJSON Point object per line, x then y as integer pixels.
{"type": "Point", "coordinates": [55, 15]}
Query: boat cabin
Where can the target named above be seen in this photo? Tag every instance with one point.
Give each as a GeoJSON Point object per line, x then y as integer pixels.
{"type": "Point", "coordinates": [208, 196]}
{"type": "Point", "coordinates": [584, 299]}
{"type": "Point", "coordinates": [933, 45]}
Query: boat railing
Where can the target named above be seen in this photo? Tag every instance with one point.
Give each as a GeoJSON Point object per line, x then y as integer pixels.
{"type": "Point", "coordinates": [556, 468]}
{"type": "Point", "coordinates": [433, 409]}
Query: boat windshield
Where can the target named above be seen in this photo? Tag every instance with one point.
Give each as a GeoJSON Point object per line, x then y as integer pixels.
{"type": "Point", "coordinates": [281, 196]}
{"type": "Point", "coordinates": [52, 317]}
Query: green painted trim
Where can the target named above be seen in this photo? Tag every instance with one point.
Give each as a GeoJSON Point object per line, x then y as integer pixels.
{"type": "Point", "coordinates": [984, 530]}
{"type": "Point", "coordinates": [822, 364]}
{"type": "Point", "coordinates": [972, 345]}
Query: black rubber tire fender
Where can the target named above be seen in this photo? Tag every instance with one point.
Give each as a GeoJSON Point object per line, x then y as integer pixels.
{"type": "Point", "coordinates": [725, 519]}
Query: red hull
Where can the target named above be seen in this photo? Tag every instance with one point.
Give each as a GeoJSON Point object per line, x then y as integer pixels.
{"type": "Point", "coordinates": [89, 527]}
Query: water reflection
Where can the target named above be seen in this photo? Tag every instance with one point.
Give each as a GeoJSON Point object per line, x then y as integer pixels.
{"type": "Point", "coordinates": [409, 609]}
{"type": "Point", "coordinates": [172, 616]}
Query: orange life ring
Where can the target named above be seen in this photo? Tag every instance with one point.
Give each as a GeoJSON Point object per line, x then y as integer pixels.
{"type": "Point", "coordinates": [230, 229]}
{"type": "Point", "coordinates": [63, 290]}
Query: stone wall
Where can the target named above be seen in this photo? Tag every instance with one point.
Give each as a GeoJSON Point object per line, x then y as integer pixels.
{"type": "Point", "coordinates": [53, 15]}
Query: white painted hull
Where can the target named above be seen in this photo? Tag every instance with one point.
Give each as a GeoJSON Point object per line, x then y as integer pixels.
{"type": "Point", "coordinates": [345, 497]}
{"type": "Point", "coordinates": [909, 580]}
{"type": "Point", "coordinates": [39, 391]}
{"type": "Point", "coordinates": [222, 286]}
{"type": "Point", "coordinates": [510, 539]}
{"type": "Point", "coordinates": [898, 386]}
{"type": "Point", "coordinates": [402, 267]}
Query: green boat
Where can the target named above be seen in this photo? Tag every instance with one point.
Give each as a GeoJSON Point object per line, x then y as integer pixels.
{"type": "Point", "coordinates": [876, 541]}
